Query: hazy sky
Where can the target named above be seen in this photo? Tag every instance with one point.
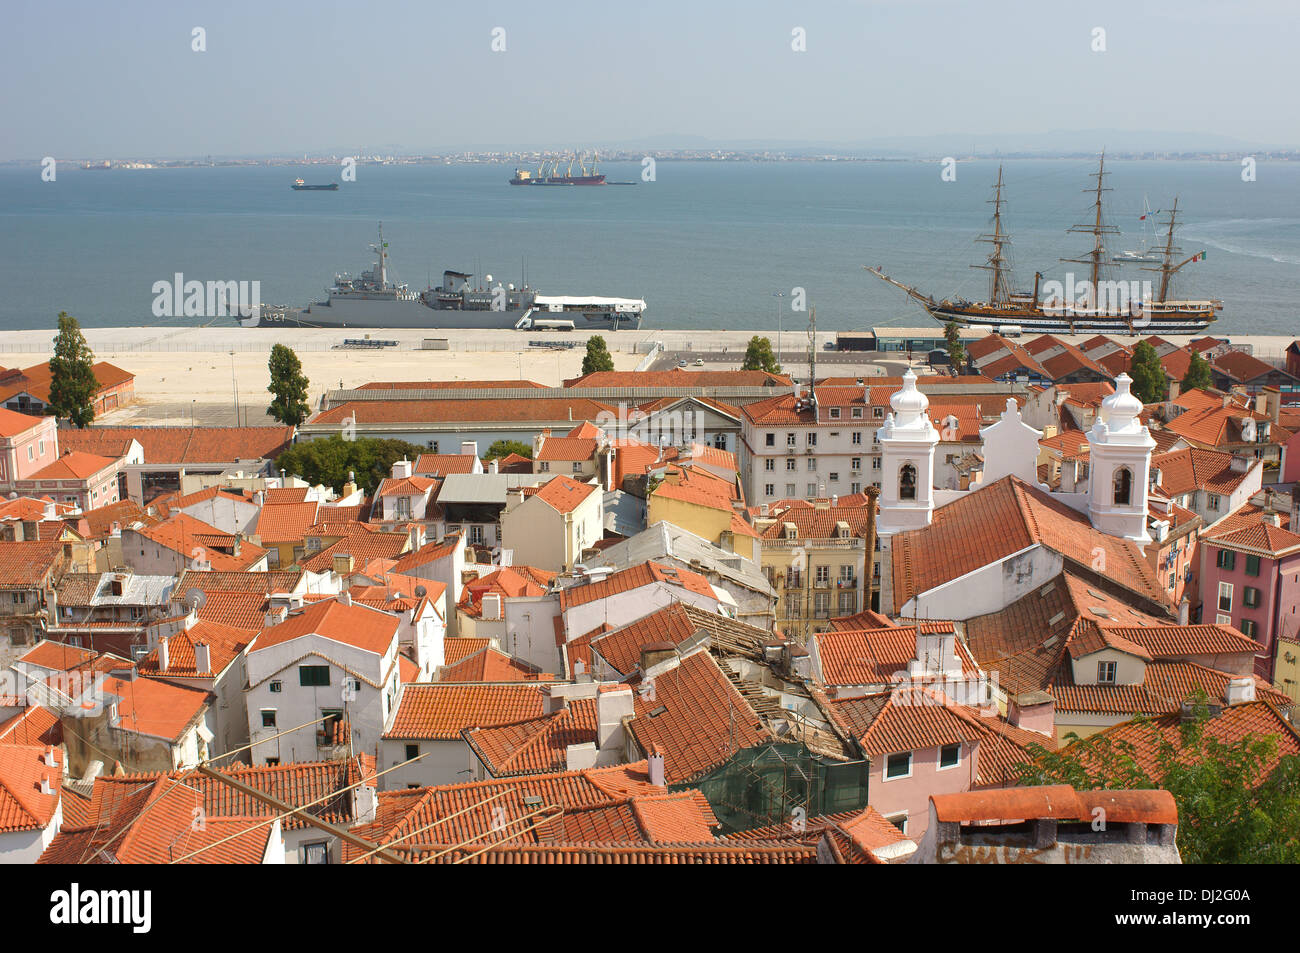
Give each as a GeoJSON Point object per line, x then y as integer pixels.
{"type": "Point", "coordinates": [120, 79]}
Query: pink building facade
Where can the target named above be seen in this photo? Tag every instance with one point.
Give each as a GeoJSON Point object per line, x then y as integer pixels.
{"type": "Point", "coordinates": [27, 445]}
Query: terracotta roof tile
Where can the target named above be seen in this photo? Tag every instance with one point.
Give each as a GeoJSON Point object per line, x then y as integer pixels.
{"type": "Point", "coordinates": [441, 710]}
{"type": "Point", "coordinates": [635, 577]}
{"type": "Point", "coordinates": [358, 626]}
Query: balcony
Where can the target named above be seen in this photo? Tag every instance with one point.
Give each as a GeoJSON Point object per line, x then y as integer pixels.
{"type": "Point", "coordinates": [842, 583]}
{"type": "Point", "coordinates": [822, 584]}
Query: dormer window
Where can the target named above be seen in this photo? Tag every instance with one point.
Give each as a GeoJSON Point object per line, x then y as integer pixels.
{"type": "Point", "coordinates": [1106, 673]}
{"type": "Point", "coordinates": [857, 413]}
{"type": "Point", "coordinates": [835, 413]}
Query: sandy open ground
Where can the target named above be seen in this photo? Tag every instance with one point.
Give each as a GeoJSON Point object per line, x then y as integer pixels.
{"type": "Point", "coordinates": [199, 371]}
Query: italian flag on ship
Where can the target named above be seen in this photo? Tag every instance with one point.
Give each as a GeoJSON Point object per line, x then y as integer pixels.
{"type": "Point", "coordinates": [1199, 257]}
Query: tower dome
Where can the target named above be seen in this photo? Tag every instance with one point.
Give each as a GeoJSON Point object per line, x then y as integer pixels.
{"type": "Point", "coordinates": [909, 404]}
{"type": "Point", "coordinates": [1121, 409]}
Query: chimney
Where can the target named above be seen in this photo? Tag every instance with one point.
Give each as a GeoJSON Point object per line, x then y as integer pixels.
{"type": "Point", "coordinates": [1184, 611]}
{"type": "Point", "coordinates": [49, 759]}
{"type": "Point", "coordinates": [365, 804]}
{"type": "Point", "coordinates": [936, 654]}
{"type": "Point", "coordinates": [613, 704]}
{"type": "Point", "coordinates": [401, 469]}
{"type": "Point", "coordinates": [655, 766]}
{"type": "Point", "coordinates": [469, 448]}
{"type": "Point", "coordinates": [45, 785]}
{"type": "Point", "coordinates": [124, 674]}
{"type": "Point", "coordinates": [345, 598]}
{"type": "Point", "coordinates": [202, 657]}
{"type": "Point", "coordinates": [1033, 711]}
{"type": "Point", "coordinates": [494, 466]}
{"type": "Point", "coordinates": [1239, 464]}
{"type": "Point", "coordinates": [259, 498]}
{"type": "Point", "coordinates": [350, 486]}
{"type": "Point", "coordinates": [343, 564]}
{"type": "Point", "coordinates": [491, 607]}
{"type": "Point", "coordinates": [1239, 690]}
{"type": "Point", "coordinates": [1272, 518]}
{"type": "Point", "coordinates": [418, 536]}
{"type": "Point", "coordinates": [164, 655]}
{"type": "Point", "coordinates": [652, 653]}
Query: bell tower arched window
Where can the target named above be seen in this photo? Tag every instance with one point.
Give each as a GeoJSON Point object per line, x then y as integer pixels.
{"type": "Point", "coordinates": [1123, 486]}
{"type": "Point", "coordinates": [907, 482]}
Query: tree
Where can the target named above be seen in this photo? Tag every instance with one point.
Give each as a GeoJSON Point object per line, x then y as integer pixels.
{"type": "Point", "coordinates": [329, 461]}
{"type": "Point", "coordinates": [503, 448]}
{"type": "Point", "coordinates": [1198, 374]}
{"type": "Point", "coordinates": [1147, 373]}
{"type": "Point", "coordinates": [289, 385]}
{"type": "Point", "coordinates": [956, 352]}
{"type": "Point", "coordinates": [759, 356]}
{"type": "Point", "coordinates": [72, 375]}
{"type": "Point", "coordinates": [1230, 811]}
{"type": "Point", "coordinates": [598, 357]}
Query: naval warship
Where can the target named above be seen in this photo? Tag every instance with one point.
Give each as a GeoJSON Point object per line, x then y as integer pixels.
{"type": "Point", "coordinates": [372, 301]}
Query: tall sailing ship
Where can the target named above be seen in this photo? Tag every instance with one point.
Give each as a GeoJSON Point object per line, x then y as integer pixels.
{"type": "Point", "coordinates": [1088, 306]}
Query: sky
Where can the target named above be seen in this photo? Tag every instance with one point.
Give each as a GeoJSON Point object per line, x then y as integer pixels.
{"type": "Point", "coordinates": [92, 79]}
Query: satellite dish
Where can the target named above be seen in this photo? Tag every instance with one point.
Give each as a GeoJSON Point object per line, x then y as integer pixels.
{"type": "Point", "coordinates": [421, 592]}
{"type": "Point", "coordinates": [196, 598]}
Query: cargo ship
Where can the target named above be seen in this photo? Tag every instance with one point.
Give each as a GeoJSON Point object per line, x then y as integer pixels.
{"type": "Point", "coordinates": [373, 301]}
{"type": "Point", "coordinates": [1078, 306]}
{"type": "Point", "coordinates": [548, 173]}
{"type": "Point", "coordinates": [300, 186]}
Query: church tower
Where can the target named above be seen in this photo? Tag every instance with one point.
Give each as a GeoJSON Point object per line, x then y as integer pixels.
{"type": "Point", "coordinates": [907, 442]}
{"type": "Point", "coordinates": [1119, 461]}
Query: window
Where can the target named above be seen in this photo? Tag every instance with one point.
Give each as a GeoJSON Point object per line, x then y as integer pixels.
{"type": "Point", "coordinates": [855, 487]}
{"type": "Point", "coordinates": [476, 534]}
{"type": "Point", "coordinates": [544, 467]}
{"type": "Point", "coordinates": [898, 766]}
{"type": "Point", "coordinates": [19, 598]}
{"type": "Point", "coordinates": [312, 676]}
{"type": "Point", "coordinates": [273, 558]}
{"type": "Point", "coordinates": [822, 605]}
{"type": "Point", "coordinates": [577, 468]}
{"type": "Point", "coordinates": [276, 687]}
{"type": "Point", "coordinates": [770, 440]}
{"type": "Point", "coordinates": [835, 477]}
{"type": "Point", "coordinates": [769, 465]}
{"type": "Point", "coordinates": [1250, 597]}
{"type": "Point", "coordinates": [877, 412]}
{"type": "Point", "coordinates": [1106, 673]}
{"type": "Point", "coordinates": [1222, 619]}
{"type": "Point", "coordinates": [899, 821]}
{"type": "Point", "coordinates": [875, 463]}
{"type": "Point", "coordinates": [1249, 628]}
{"type": "Point", "coordinates": [1227, 559]}
{"type": "Point", "coordinates": [823, 575]}
{"type": "Point", "coordinates": [1123, 486]}
{"type": "Point", "coordinates": [790, 440]}
{"type": "Point", "coordinates": [835, 413]}
{"type": "Point", "coordinates": [1252, 565]}
{"type": "Point", "coordinates": [1212, 501]}
{"type": "Point", "coordinates": [857, 413]}
{"type": "Point", "coordinates": [412, 752]}
{"type": "Point", "coordinates": [316, 852]}
{"type": "Point", "coordinates": [812, 438]}
{"type": "Point", "coordinates": [812, 490]}
{"type": "Point", "coordinates": [789, 490]}
{"type": "Point", "coordinates": [848, 603]}
{"type": "Point", "coordinates": [812, 464]}
{"type": "Point", "coordinates": [857, 438]}
{"type": "Point", "coordinates": [907, 482]}
{"type": "Point", "coordinates": [1225, 597]}
{"type": "Point", "coordinates": [949, 756]}
{"type": "Point", "coordinates": [268, 717]}
{"type": "Point", "coordinates": [855, 464]}
{"type": "Point", "coordinates": [769, 489]}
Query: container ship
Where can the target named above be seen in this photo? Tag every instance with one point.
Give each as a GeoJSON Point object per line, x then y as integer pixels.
{"type": "Point", "coordinates": [300, 186]}
{"type": "Point", "coordinates": [372, 301]}
{"type": "Point", "coordinates": [1092, 305]}
{"type": "Point", "coordinates": [548, 173]}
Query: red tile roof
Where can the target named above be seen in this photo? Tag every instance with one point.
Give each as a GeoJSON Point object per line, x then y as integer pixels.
{"type": "Point", "coordinates": [27, 565]}
{"type": "Point", "coordinates": [580, 449]}
{"type": "Point", "coordinates": [1003, 518]}
{"type": "Point", "coordinates": [1260, 538]}
{"type": "Point", "coordinates": [193, 539]}
{"type": "Point", "coordinates": [441, 710]}
{"type": "Point", "coordinates": [534, 745]}
{"type": "Point", "coordinates": [156, 708]}
{"type": "Point", "coordinates": [489, 665]}
{"type": "Point", "coordinates": [224, 642]}
{"type": "Point", "coordinates": [679, 377]}
{"type": "Point", "coordinates": [563, 494]}
{"type": "Point", "coordinates": [34, 725]}
{"type": "Point", "coordinates": [182, 444]}
{"type": "Point", "coordinates": [13, 423]}
{"type": "Point", "coordinates": [456, 649]}
{"type": "Point", "coordinates": [875, 656]}
{"type": "Point", "coordinates": [1242, 367]}
{"type": "Point", "coordinates": [635, 577]}
{"type": "Point", "coordinates": [817, 523]}
{"type": "Point", "coordinates": [363, 547]}
{"type": "Point", "coordinates": [73, 465]}
{"type": "Point", "coordinates": [22, 770]}
{"type": "Point", "coordinates": [359, 626]}
{"type": "Point", "coordinates": [285, 522]}
{"type": "Point", "coordinates": [440, 464]}
{"type": "Point", "coordinates": [696, 717]}
{"type": "Point", "coordinates": [542, 409]}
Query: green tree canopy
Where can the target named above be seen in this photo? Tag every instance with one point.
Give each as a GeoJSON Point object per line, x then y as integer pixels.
{"type": "Point", "coordinates": [598, 357]}
{"type": "Point", "coordinates": [1147, 373]}
{"type": "Point", "coordinates": [1198, 374]}
{"type": "Point", "coordinates": [503, 448]}
{"type": "Point", "coordinates": [288, 387]}
{"type": "Point", "coordinates": [1230, 811]}
{"type": "Point", "coordinates": [329, 461]}
{"type": "Point", "coordinates": [956, 351]}
{"type": "Point", "coordinates": [72, 375]}
{"type": "Point", "coordinates": [759, 356]}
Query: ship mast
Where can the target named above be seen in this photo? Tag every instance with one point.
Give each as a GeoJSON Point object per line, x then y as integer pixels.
{"type": "Point", "coordinates": [999, 280]}
{"type": "Point", "coordinates": [383, 259]}
{"type": "Point", "coordinates": [1098, 229]}
{"type": "Point", "coordinates": [1167, 267]}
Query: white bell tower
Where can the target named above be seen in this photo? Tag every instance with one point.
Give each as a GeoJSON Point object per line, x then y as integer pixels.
{"type": "Point", "coordinates": [1119, 463]}
{"type": "Point", "coordinates": [907, 442]}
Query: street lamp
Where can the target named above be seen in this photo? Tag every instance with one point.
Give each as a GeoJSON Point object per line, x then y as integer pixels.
{"type": "Point", "coordinates": [778, 295]}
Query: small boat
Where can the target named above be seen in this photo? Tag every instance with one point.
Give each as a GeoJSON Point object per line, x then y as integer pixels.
{"type": "Point", "coordinates": [300, 186]}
